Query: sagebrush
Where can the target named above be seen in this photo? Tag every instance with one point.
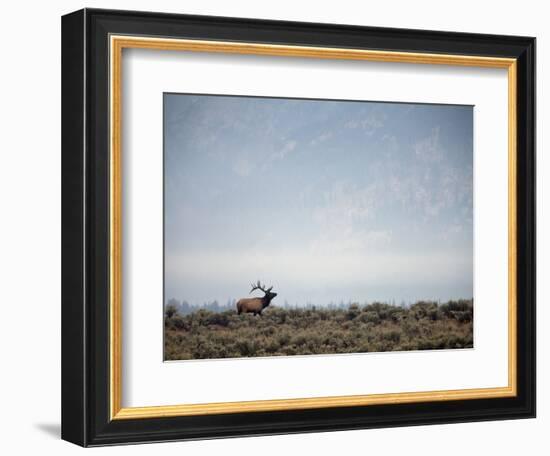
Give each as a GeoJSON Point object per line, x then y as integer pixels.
{"type": "Point", "coordinates": [280, 331]}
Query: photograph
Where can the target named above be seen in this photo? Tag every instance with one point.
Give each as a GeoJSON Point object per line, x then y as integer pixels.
{"type": "Point", "coordinates": [316, 226]}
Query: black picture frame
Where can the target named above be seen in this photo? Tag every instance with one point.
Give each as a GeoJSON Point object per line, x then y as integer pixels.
{"type": "Point", "coordinates": [85, 228]}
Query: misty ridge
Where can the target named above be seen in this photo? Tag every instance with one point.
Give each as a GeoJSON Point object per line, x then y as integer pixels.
{"type": "Point", "coordinates": [183, 307]}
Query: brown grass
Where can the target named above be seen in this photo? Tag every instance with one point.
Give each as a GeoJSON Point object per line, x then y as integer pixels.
{"type": "Point", "coordinates": [371, 328]}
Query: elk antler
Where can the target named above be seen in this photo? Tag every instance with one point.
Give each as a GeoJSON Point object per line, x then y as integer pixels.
{"type": "Point", "coordinates": [258, 286]}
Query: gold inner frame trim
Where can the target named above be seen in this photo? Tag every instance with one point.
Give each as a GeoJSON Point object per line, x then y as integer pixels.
{"type": "Point", "coordinates": [117, 44]}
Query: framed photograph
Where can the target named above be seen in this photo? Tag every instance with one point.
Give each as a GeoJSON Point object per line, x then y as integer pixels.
{"type": "Point", "coordinates": [278, 227]}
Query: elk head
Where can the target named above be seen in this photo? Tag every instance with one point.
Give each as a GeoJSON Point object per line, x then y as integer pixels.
{"type": "Point", "coordinates": [269, 295]}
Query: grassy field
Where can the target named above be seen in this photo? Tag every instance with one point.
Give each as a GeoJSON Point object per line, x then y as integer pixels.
{"type": "Point", "coordinates": [357, 329]}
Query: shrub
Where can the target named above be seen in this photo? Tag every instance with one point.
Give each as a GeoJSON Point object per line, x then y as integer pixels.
{"type": "Point", "coordinates": [353, 311]}
{"type": "Point", "coordinates": [370, 317]}
{"type": "Point", "coordinates": [393, 335]}
{"type": "Point", "coordinates": [246, 347]}
{"type": "Point", "coordinates": [221, 319]}
{"type": "Point", "coordinates": [170, 311]}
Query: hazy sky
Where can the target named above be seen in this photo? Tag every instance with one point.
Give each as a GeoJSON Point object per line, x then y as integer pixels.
{"type": "Point", "coordinates": [324, 200]}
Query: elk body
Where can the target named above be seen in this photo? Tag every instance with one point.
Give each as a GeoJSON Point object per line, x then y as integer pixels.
{"type": "Point", "coordinates": [256, 305]}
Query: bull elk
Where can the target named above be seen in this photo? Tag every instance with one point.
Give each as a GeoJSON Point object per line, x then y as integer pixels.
{"type": "Point", "coordinates": [256, 305]}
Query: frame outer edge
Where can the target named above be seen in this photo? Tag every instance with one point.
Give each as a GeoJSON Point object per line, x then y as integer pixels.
{"type": "Point", "coordinates": [86, 402]}
{"type": "Point", "coordinates": [533, 323]}
{"type": "Point", "coordinates": [73, 302]}
{"type": "Point", "coordinates": [529, 147]}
